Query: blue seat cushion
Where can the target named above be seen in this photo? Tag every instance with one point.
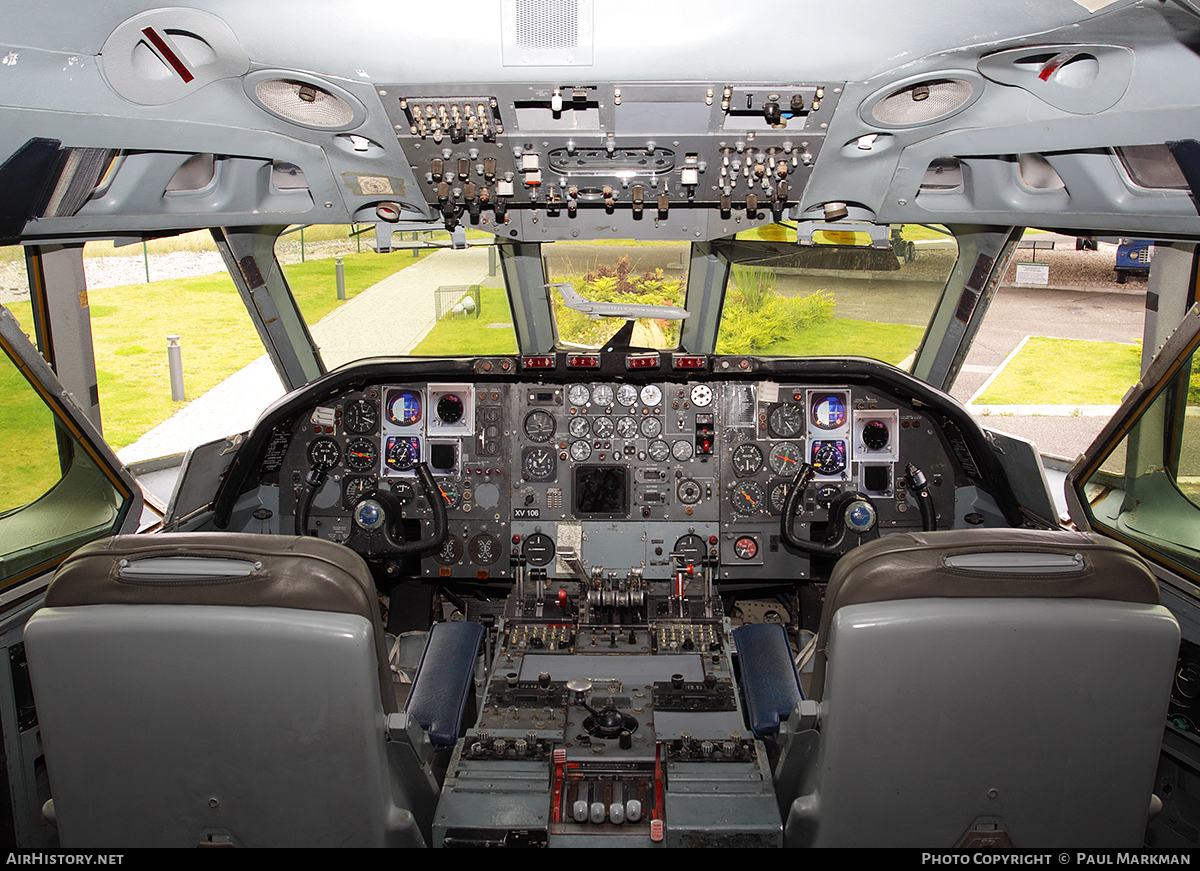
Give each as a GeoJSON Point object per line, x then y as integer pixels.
{"type": "Point", "coordinates": [445, 680]}
{"type": "Point", "coordinates": [769, 680]}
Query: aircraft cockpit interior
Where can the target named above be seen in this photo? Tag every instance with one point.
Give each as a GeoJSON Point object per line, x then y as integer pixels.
{"type": "Point", "coordinates": [632, 495]}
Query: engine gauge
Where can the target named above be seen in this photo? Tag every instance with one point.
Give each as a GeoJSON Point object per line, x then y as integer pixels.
{"type": "Point", "coordinates": [484, 549]}
{"type": "Point", "coordinates": [745, 548]}
{"type": "Point", "coordinates": [404, 407]}
{"type": "Point", "coordinates": [451, 491]}
{"type": "Point", "coordinates": [702, 395]}
{"type": "Point", "coordinates": [658, 450]}
{"type": "Point", "coordinates": [580, 451]}
{"type": "Point", "coordinates": [689, 492]}
{"type": "Point", "coordinates": [402, 454]}
{"type": "Point", "coordinates": [578, 394]}
{"type": "Point", "coordinates": [828, 411]}
{"type": "Point", "coordinates": [627, 427]}
{"type": "Point", "coordinates": [691, 548]}
{"type": "Point", "coordinates": [450, 409]}
{"type": "Point", "coordinates": [355, 489]}
{"type": "Point", "coordinates": [451, 552]}
{"type": "Point", "coordinates": [785, 458]}
{"type": "Point", "coordinates": [651, 427]}
{"type": "Point", "coordinates": [747, 498]}
{"type": "Point", "coordinates": [360, 455]}
{"type": "Point", "coordinates": [324, 454]}
{"type": "Point", "coordinates": [578, 427]}
{"type": "Point", "coordinates": [404, 491]}
{"type": "Point", "coordinates": [875, 435]}
{"type": "Point", "coordinates": [603, 427]}
{"type": "Point", "coordinates": [651, 395]}
{"type": "Point", "coordinates": [682, 450]}
{"type": "Point", "coordinates": [538, 549]}
{"type": "Point", "coordinates": [829, 457]}
{"type": "Point", "coordinates": [786, 420]}
{"type": "Point", "coordinates": [627, 395]}
{"type": "Point", "coordinates": [539, 426]}
{"type": "Point", "coordinates": [778, 493]}
{"type": "Point", "coordinates": [747, 459]}
{"type": "Point", "coordinates": [538, 464]}
{"type": "Point", "coordinates": [360, 416]}
{"type": "Point", "coordinates": [603, 396]}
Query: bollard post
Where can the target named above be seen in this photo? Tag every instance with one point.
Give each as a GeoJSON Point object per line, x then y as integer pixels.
{"type": "Point", "coordinates": [175, 363]}
{"type": "Point", "coordinates": [340, 271]}
{"type": "Point", "coordinates": [301, 244]}
{"type": "Point", "coordinates": [491, 260]}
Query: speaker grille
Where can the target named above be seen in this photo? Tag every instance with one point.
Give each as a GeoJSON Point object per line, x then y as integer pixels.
{"type": "Point", "coordinates": [547, 25]}
{"type": "Point", "coordinates": [922, 102]}
{"type": "Point", "coordinates": [303, 103]}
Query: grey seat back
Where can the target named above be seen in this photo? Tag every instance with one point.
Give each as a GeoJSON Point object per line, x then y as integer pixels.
{"type": "Point", "coordinates": [219, 688]}
{"type": "Point", "coordinates": [1008, 682]}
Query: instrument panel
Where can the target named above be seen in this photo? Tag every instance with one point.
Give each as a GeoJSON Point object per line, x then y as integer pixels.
{"type": "Point", "coordinates": [568, 476]}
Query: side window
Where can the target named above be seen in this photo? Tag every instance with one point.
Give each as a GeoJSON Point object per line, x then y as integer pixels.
{"type": "Point", "coordinates": [56, 494]}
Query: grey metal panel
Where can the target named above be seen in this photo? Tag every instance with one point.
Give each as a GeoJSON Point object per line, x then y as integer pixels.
{"type": "Point", "coordinates": [1045, 714]}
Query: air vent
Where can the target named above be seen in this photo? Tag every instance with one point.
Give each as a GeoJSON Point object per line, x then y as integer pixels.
{"type": "Point", "coordinates": [163, 55]}
{"type": "Point", "coordinates": [1082, 79]}
{"type": "Point", "coordinates": [546, 32]}
{"type": "Point", "coordinates": [914, 102]}
{"type": "Point", "coordinates": [196, 173]}
{"type": "Point", "coordinates": [304, 100]}
{"type": "Point", "coordinates": [943, 174]}
{"type": "Point", "coordinates": [1037, 173]}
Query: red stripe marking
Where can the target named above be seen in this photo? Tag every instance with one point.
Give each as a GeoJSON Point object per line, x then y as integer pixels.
{"type": "Point", "coordinates": [168, 55]}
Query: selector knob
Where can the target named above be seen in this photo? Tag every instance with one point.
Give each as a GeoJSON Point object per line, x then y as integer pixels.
{"type": "Point", "coordinates": [633, 810]}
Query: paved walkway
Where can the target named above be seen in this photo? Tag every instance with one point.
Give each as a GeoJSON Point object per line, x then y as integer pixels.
{"type": "Point", "coordinates": [388, 319]}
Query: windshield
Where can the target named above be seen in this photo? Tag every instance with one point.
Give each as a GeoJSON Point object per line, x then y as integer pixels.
{"type": "Point", "coordinates": [837, 297]}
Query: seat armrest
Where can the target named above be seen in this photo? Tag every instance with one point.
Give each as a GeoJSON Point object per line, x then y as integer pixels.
{"type": "Point", "coordinates": [769, 680]}
{"type": "Point", "coordinates": [444, 685]}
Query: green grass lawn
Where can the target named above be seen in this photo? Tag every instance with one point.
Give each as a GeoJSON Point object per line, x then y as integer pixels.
{"type": "Point", "coordinates": [460, 336]}
{"type": "Point", "coordinates": [1066, 372]}
{"type": "Point", "coordinates": [130, 325]}
{"type": "Point", "coordinates": [840, 336]}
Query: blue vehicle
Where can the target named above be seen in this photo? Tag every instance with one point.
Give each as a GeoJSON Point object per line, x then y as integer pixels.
{"type": "Point", "coordinates": [1133, 258]}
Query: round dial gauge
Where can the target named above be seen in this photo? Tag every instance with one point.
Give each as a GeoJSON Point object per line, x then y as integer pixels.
{"type": "Point", "coordinates": [829, 457]}
{"type": "Point", "coordinates": [702, 395]}
{"type": "Point", "coordinates": [451, 552]}
{"type": "Point", "coordinates": [451, 491]}
{"type": "Point", "coordinates": [360, 455]}
{"type": "Point", "coordinates": [691, 547]}
{"type": "Point", "coordinates": [404, 491]}
{"type": "Point", "coordinates": [627, 395]}
{"type": "Point", "coordinates": [360, 417]}
{"type": "Point", "coordinates": [785, 458]}
{"type": "Point", "coordinates": [651, 427]}
{"type": "Point", "coordinates": [404, 408]}
{"type": "Point", "coordinates": [786, 420]}
{"type": "Point", "coordinates": [324, 454]}
{"type": "Point", "coordinates": [875, 435]}
{"type": "Point", "coordinates": [658, 451]}
{"type": "Point", "coordinates": [779, 492]}
{"type": "Point", "coordinates": [450, 409]}
{"type": "Point", "coordinates": [538, 464]}
{"type": "Point", "coordinates": [578, 394]}
{"type": "Point", "coordinates": [401, 454]}
{"type": "Point", "coordinates": [651, 395]}
{"type": "Point", "coordinates": [689, 492]}
{"type": "Point", "coordinates": [538, 549]}
{"type": "Point", "coordinates": [747, 498]}
{"type": "Point", "coordinates": [828, 412]}
{"type": "Point", "coordinates": [745, 547]}
{"type": "Point", "coordinates": [355, 489]}
{"type": "Point", "coordinates": [580, 451]}
{"type": "Point", "coordinates": [626, 427]}
{"type": "Point", "coordinates": [578, 427]}
{"type": "Point", "coordinates": [682, 450]}
{"type": "Point", "coordinates": [603, 427]}
{"type": "Point", "coordinates": [603, 395]}
{"type": "Point", "coordinates": [747, 459]}
{"type": "Point", "coordinates": [539, 426]}
{"type": "Point", "coordinates": [484, 549]}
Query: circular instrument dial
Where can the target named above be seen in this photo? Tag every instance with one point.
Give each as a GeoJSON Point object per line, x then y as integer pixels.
{"type": "Point", "coordinates": [682, 450]}
{"type": "Point", "coordinates": [658, 450]}
{"type": "Point", "coordinates": [627, 427]}
{"type": "Point", "coordinates": [603, 396]}
{"type": "Point", "coordinates": [747, 498]}
{"type": "Point", "coordinates": [404, 491]}
{"type": "Point", "coordinates": [484, 549]}
{"type": "Point", "coordinates": [689, 492]}
{"type": "Point", "coordinates": [651, 395]}
{"type": "Point", "coordinates": [360, 416]}
{"type": "Point", "coordinates": [747, 459]}
{"type": "Point", "coordinates": [324, 454]}
{"type": "Point", "coordinates": [603, 427]}
{"type": "Point", "coordinates": [651, 427]}
{"type": "Point", "coordinates": [828, 412]}
{"type": "Point", "coordinates": [627, 395]}
{"type": "Point", "coordinates": [778, 493]}
{"type": "Point", "coordinates": [404, 408]}
{"type": "Point", "coordinates": [875, 435]}
{"type": "Point", "coordinates": [578, 394]}
{"type": "Point", "coordinates": [829, 457]}
{"type": "Point", "coordinates": [580, 451]}
{"type": "Point", "coordinates": [402, 454]}
{"type": "Point", "coordinates": [539, 426]}
{"type": "Point", "coordinates": [450, 409]}
{"type": "Point", "coordinates": [451, 551]}
{"type": "Point", "coordinates": [691, 547]}
{"type": "Point", "coordinates": [360, 455]}
{"type": "Point", "coordinates": [702, 395]}
{"type": "Point", "coordinates": [786, 420]}
{"type": "Point", "coordinates": [538, 464]}
{"type": "Point", "coordinates": [538, 549]}
{"type": "Point", "coordinates": [785, 458]}
{"type": "Point", "coordinates": [355, 488]}
{"type": "Point", "coordinates": [745, 548]}
{"type": "Point", "coordinates": [451, 491]}
{"type": "Point", "coordinates": [578, 427]}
